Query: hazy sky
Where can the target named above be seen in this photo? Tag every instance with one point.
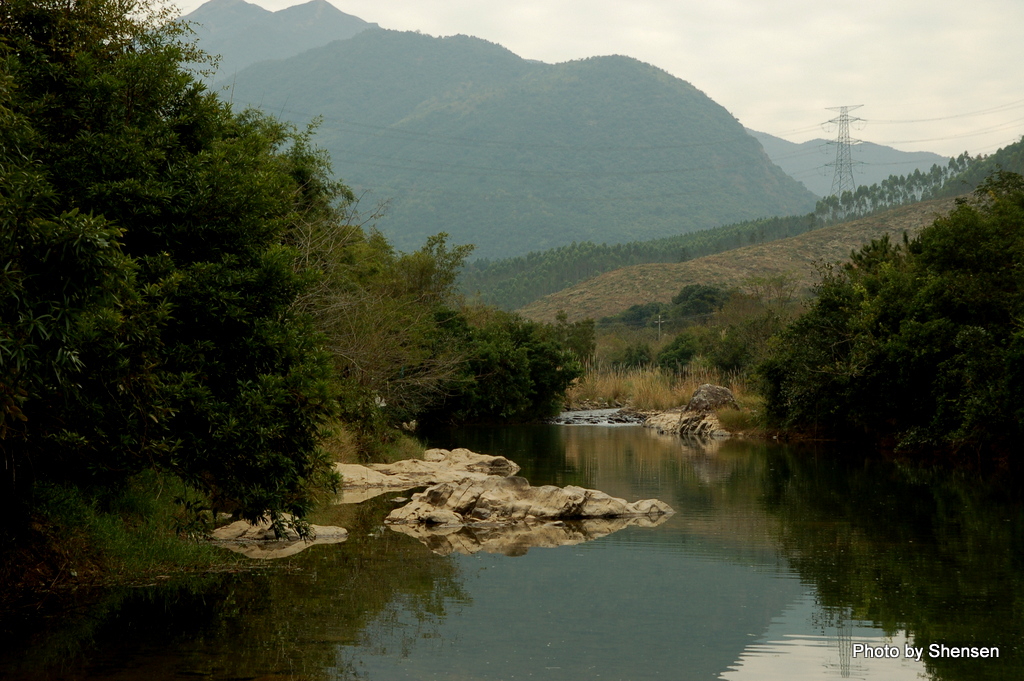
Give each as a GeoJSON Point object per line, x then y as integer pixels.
{"type": "Point", "coordinates": [936, 75]}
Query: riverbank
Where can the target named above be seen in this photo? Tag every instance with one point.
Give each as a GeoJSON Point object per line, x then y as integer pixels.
{"type": "Point", "coordinates": [648, 391]}
{"type": "Point", "coordinates": [140, 534]}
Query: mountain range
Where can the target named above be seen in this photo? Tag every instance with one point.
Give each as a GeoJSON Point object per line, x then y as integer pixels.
{"type": "Point", "coordinates": [460, 135]}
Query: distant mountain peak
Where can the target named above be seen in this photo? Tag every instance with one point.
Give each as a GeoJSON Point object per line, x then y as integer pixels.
{"type": "Point", "coordinates": [243, 33]}
{"type": "Point", "coordinates": [515, 156]}
{"type": "Point", "coordinates": [227, 3]}
{"type": "Point", "coordinates": [314, 5]}
{"type": "Point", "coordinates": [220, 7]}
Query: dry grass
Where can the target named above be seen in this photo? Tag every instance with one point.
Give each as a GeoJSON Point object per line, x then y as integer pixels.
{"type": "Point", "coordinates": [340, 444]}
{"type": "Point", "coordinates": [404, 447]}
{"type": "Point", "coordinates": [343, 447]}
{"type": "Point", "coordinates": [652, 389]}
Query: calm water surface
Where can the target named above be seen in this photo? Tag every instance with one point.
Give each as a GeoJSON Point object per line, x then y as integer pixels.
{"type": "Point", "coordinates": [778, 564]}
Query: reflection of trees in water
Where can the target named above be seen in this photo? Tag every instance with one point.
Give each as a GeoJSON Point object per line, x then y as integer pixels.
{"type": "Point", "coordinates": [292, 617]}
{"type": "Point", "coordinates": [714, 487]}
{"type": "Point", "coordinates": [929, 552]}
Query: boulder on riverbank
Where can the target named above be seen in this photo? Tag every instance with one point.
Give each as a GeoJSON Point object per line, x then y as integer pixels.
{"type": "Point", "coordinates": [438, 465]}
{"type": "Point", "coordinates": [518, 538]}
{"type": "Point", "coordinates": [260, 541]}
{"type": "Point", "coordinates": [507, 500]}
{"type": "Point", "coordinates": [697, 419]}
{"type": "Point", "coordinates": [708, 397]}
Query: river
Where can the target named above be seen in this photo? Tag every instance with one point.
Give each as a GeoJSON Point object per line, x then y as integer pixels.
{"type": "Point", "coordinates": [779, 563]}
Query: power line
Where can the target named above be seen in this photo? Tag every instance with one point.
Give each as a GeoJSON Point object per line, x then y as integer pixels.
{"type": "Point", "coordinates": [984, 131]}
{"type": "Point", "coordinates": [996, 109]}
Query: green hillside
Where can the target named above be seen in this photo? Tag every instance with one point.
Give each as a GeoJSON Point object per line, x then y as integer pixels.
{"type": "Point", "coordinates": [511, 283]}
{"type": "Point", "coordinates": [465, 137]}
{"type": "Point", "coordinates": [798, 257]}
{"type": "Point", "coordinates": [515, 282]}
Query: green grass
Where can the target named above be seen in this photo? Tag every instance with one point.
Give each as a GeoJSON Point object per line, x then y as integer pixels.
{"type": "Point", "coordinates": [151, 525]}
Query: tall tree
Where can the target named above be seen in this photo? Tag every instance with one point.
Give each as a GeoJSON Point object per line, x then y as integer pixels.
{"type": "Point", "coordinates": [149, 287]}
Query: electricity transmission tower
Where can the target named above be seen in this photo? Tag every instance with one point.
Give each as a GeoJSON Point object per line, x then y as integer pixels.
{"type": "Point", "coordinates": [842, 181]}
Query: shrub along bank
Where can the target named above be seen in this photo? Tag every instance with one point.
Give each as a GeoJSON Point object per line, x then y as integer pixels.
{"type": "Point", "coordinates": [918, 343]}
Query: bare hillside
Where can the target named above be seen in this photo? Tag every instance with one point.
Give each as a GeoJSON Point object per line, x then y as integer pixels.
{"type": "Point", "coordinates": [613, 292]}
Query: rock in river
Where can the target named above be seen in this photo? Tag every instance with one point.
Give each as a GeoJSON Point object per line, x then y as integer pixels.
{"type": "Point", "coordinates": [697, 419]}
{"type": "Point", "coordinates": [438, 465]}
{"type": "Point", "coordinates": [259, 540]}
{"type": "Point", "coordinates": [506, 500]}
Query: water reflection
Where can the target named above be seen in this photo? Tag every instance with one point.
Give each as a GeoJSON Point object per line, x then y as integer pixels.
{"type": "Point", "coordinates": [794, 650]}
{"type": "Point", "coordinates": [285, 621]}
{"type": "Point", "coordinates": [517, 539]}
{"type": "Point", "coordinates": [776, 563]}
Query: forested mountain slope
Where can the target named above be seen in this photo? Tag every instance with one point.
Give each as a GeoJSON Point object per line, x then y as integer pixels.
{"type": "Point", "coordinates": [612, 292]}
{"type": "Point", "coordinates": [517, 282]}
{"type": "Point", "coordinates": [465, 137]}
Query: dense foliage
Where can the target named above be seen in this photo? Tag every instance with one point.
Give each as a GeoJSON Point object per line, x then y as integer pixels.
{"type": "Point", "coordinates": [1009, 159]}
{"type": "Point", "coordinates": [148, 291]}
{"type": "Point", "coordinates": [186, 290]}
{"type": "Point", "coordinates": [517, 370]}
{"type": "Point", "coordinates": [919, 341]}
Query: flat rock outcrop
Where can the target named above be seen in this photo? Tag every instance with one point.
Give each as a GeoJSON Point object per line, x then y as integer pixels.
{"type": "Point", "coordinates": [473, 503]}
{"type": "Point", "coordinates": [518, 538]}
{"type": "Point", "coordinates": [438, 465]}
{"type": "Point", "coordinates": [507, 500]}
{"type": "Point", "coordinates": [259, 540]}
{"type": "Point", "coordinates": [702, 425]}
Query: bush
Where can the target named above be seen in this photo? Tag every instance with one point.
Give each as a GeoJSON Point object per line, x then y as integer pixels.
{"type": "Point", "coordinates": [678, 353]}
{"type": "Point", "coordinates": [516, 370]}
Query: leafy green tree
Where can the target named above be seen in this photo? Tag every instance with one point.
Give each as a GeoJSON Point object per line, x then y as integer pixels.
{"type": "Point", "coordinates": [381, 313]}
{"type": "Point", "coordinates": [515, 370]}
{"type": "Point", "coordinates": [918, 342]}
{"type": "Point", "coordinates": [678, 353]}
{"type": "Point", "coordinates": [578, 337]}
{"type": "Point", "coordinates": [697, 299]}
{"type": "Point", "coordinates": [149, 316]}
{"type": "Point", "coordinates": [636, 354]}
